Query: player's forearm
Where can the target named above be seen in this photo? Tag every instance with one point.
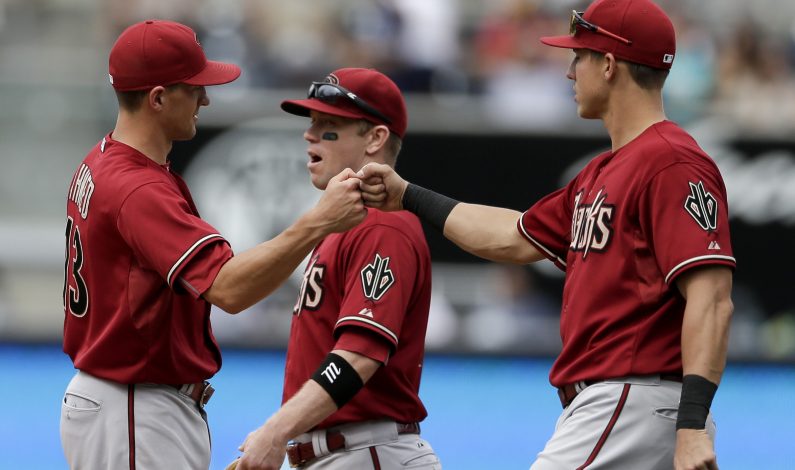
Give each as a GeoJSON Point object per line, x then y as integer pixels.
{"type": "Point", "coordinates": [252, 275]}
{"type": "Point", "coordinates": [302, 412]}
{"type": "Point", "coordinates": [312, 404]}
{"type": "Point", "coordinates": [490, 233]}
{"type": "Point", "coordinates": [705, 328]}
{"type": "Point", "coordinates": [705, 340]}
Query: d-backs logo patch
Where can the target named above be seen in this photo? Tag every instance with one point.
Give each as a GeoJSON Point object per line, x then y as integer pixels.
{"type": "Point", "coordinates": [702, 206]}
{"type": "Point", "coordinates": [377, 278]}
{"type": "Point", "coordinates": [333, 79]}
{"type": "Point", "coordinates": [311, 293]}
{"type": "Point", "coordinates": [591, 224]}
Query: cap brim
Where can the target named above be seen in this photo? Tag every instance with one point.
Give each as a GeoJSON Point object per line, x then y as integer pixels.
{"type": "Point", "coordinates": [567, 42]}
{"type": "Point", "coordinates": [215, 73]}
{"type": "Point", "coordinates": [303, 107]}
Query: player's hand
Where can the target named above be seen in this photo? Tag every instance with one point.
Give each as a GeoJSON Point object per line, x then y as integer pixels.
{"type": "Point", "coordinates": [694, 450]}
{"type": "Point", "coordinates": [341, 207]}
{"type": "Point", "coordinates": [263, 449]}
{"type": "Point", "coordinates": [381, 187]}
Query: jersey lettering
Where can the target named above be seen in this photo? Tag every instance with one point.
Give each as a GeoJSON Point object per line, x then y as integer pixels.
{"type": "Point", "coordinates": [377, 278]}
{"type": "Point", "coordinates": [75, 298]}
{"type": "Point", "coordinates": [82, 189]}
{"type": "Point", "coordinates": [311, 293]}
{"type": "Point", "coordinates": [702, 206]}
{"type": "Point", "coordinates": [591, 228]}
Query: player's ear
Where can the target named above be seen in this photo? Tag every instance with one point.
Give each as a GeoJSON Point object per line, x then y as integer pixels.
{"type": "Point", "coordinates": [377, 138]}
{"type": "Point", "coordinates": [156, 97]}
{"type": "Point", "coordinates": [609, 66]}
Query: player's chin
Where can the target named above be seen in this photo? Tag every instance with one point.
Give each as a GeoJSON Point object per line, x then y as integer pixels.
{"type": "Point", "coordinates": [586, 113]}
{"type": "Point", "coordinates": [319, 181]}
{"type": "Point", "coordinates": [186, 134]}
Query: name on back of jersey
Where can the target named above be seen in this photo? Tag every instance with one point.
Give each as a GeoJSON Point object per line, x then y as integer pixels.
{"type": "Point", "coordinates": [81, 189]}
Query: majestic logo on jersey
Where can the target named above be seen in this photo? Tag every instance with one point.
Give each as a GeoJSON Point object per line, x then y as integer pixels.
{"type": "Point", "coordinates": [377, 278]}
{"type": "Point", "coordinates": [591, 228]}
{"type": "Point", "coordinates": [702, 206]}
{"type": "Point", "coordinates": [81, 189]}
{"type": "Point", "coordinates": [311, 293]}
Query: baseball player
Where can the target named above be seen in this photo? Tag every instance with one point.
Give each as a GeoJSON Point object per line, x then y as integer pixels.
{"type": "Point", "coordinates": [142, 267]}
{"type": "Point", "coordinates": [356, 347]}
{"type": "Point", "coordinates": [642, 233]}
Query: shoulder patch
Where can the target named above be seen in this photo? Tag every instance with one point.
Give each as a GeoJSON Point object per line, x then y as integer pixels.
{"type": "Point", "coordinates": [702, 206]}
{"type": "Point", "coordinates": [377, 278]}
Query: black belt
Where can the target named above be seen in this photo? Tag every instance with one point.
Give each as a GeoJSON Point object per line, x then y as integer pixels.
{"type": "Point", "coordinates": [303, 453]}
{"type": "Point", "coordinates": [568, 392]}
{"type": "Point", "coordinates": [200, 392]}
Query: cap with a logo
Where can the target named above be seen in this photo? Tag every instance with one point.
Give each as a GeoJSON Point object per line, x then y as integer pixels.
{"type": "Point", "coordinates": [368, 85]}
{"type": "Point", "coordinates": [644, 24]}
{"type": "Point", "coordinates": [161, 53]}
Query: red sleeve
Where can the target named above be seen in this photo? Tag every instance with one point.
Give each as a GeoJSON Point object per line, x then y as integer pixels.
{"type": "Point", "coordinates": [157, 223]}
{"type": "Point", "coordinates": [198, 274]}
{"type": "Point", "coordinates": [685, 215]}
{"type": "Point", "coordinates": [380, 273]}
{"type": "Point", "coordinates": [364, 342]}
{"type": "Point", "coordinates": [547, 225]}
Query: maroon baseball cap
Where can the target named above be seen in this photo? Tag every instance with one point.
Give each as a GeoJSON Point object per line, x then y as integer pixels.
{"type": "Point", "coordinates": [642, 23]}
{"type": "Point", "coordinates": [161, 53]}
{"type": "Point", "coordinates": [375, 98]}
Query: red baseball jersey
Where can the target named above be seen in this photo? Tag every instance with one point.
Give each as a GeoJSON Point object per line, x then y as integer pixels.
{"type": "Point", "coordinates": [368, 291]}
{"type": "Point", "coordinates": [623, 230]}
{"type": "Point", "coordinates": [138, 257]}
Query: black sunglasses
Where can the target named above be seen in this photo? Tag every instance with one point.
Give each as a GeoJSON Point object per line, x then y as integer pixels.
{"type": "Point", "coordinates": [330, 93]}
{"type": "Point", "coordinates": [578, 20]}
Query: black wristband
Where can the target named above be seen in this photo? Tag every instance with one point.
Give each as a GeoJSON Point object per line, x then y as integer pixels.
{"type": "Point", "coordinates": [338, 378]}
{"type": "Point", "coordinates": [694, 404]}
{"type": "Point", "coordinates": [432, 207]}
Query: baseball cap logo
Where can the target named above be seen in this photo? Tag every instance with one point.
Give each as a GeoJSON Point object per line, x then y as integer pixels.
{"type": "Point", "coordinates": [333, 79]}
{"type": "Point", "coordinates": [668, 58]}
{"type": "Point", "coordinates": [196, 38]}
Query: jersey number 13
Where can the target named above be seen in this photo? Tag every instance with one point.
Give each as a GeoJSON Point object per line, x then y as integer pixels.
{"type": "Point", "coordinates": [75, 292]}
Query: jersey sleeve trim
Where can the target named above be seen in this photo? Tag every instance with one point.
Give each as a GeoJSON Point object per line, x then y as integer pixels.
{"type": "Point", "coordinates": [721, 259]}
{"type": "Point", "coordinates": [187, 254]}
{"type": "Point", "coordinates": [189, 286]}
{"type": "Point", "coordinates": [557, 259]}
{"type": "Point", "coordinates": [371, 323]}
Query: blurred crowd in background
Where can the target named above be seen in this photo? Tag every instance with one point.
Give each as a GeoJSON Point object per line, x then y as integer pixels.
{"type": "Point", "coordinates": [735, 66]}
{"type": "Point", "coordinates": [735, 59]}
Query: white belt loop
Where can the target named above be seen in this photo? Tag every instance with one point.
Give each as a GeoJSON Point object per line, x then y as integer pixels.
{"type": "Point", "coordinates": [319, 443]}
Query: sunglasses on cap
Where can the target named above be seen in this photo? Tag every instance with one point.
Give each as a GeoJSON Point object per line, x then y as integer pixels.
{"type": "Point", "coordinates": [331, 93]}
{"type": "Point", "coordinates": [578, 20]}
